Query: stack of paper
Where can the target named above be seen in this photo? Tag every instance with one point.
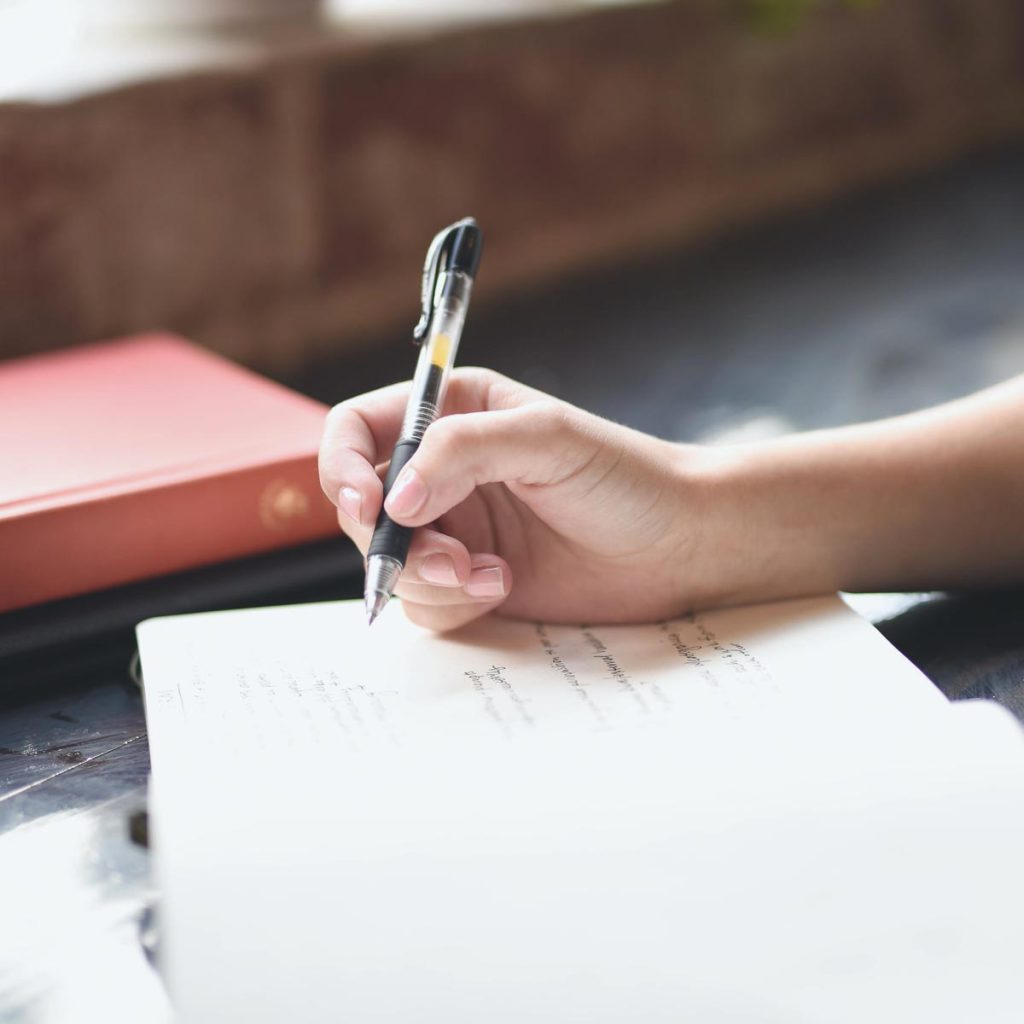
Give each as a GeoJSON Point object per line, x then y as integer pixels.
{"type": "Point", "coordinates": [760, 814]}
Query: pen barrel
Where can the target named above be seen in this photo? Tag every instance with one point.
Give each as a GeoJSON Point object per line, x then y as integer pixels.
{"type": "Point", "coordinates": [437, 355]}
{"type": "Point", "coordinates": [426, 399]}
{"type": "Point", "coordinates": [389, 538]}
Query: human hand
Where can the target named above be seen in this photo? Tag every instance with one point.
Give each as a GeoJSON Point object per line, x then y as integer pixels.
{"type": "Point", "coordinates": [528, 505]}
{"type": "Point", "coordinates": [522, 503]}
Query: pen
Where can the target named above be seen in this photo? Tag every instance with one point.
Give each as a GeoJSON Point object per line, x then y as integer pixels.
{"type": "Point", "coordinates": [448, 272]}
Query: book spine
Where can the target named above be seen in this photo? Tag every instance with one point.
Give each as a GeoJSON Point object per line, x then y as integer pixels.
{"type": "Point", "coordinates": [120, 538]}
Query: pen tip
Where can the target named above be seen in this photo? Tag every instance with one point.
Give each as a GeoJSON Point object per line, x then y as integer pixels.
{"type": "Point", "coordinates": [375, 602]}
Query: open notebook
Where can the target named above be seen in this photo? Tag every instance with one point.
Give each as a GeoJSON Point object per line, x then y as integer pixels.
{"type": "Point", "coordinates": [761, 814]}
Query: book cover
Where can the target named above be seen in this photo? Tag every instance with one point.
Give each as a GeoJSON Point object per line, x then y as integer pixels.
{"type": "Point", "coordinates": [146, 456]}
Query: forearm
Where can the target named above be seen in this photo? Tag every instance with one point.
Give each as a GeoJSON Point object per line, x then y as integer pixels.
{"type": "Point", "coordinates": [927, 501]}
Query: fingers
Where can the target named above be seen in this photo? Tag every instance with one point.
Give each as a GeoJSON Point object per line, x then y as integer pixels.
{"type": "Point", "coordinates": [532, 444]}
{"type": "Point", "coordinates": [485, 590]}
{"type": "Point", "coordinates": [445, 618]}
{"type": "Point", "coordinates": [443, 585]}
{"type": "Point", "coordinates": [359, 435]}
{"type": "Point", "coordinates": [433, 558]}
{"type": "Point", "coordinates": [440, 573]}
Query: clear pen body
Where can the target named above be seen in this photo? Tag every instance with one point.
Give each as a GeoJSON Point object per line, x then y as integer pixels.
{"type": "Point", "coordinates": [445, 301]}
{"type": "Point", "coordinates": [437, 355]}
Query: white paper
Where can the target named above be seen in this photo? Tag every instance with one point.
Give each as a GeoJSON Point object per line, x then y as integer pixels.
{"type": "Point", "coordinates": [280, 679]}
{"type": "Point", "coordinates": [761, 814]}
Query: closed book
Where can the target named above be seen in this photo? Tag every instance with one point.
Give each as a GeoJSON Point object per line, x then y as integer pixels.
{"type": "Point", "coordinates": [79, 641]}
{"type": "Point", "coordinates": [143, 457]}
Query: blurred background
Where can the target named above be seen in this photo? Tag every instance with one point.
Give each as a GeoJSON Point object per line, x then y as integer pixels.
{"type": "Point", "coordinates": [703, 217]}
{"type": "Point", "coordinates": [710, 219]}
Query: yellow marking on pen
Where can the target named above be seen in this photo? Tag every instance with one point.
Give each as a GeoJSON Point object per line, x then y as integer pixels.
{"type": "Point", "coordinates": [440, 349]}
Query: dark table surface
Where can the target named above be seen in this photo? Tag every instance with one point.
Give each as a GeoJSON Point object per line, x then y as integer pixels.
{"type": "Point", "coordinates": [898, 299]}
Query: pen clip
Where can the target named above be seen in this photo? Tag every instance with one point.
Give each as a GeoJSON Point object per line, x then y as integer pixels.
{"type": "Point", "coordinates": [439, 249]}
{"type": "Point", "coordinates": [432, 270]}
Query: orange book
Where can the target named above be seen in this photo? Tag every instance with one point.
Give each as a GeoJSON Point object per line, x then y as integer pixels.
{"type": "Point", "coordinates": [146, 456]}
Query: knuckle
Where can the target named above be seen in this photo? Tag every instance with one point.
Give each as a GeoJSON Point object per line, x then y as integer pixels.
{"type": "Point", "coordinates": [483, 376]}
{"type": "Point", "coordinates": [504, 393]}
{"type": "Point", "coordinates": [494, 390]}
{"type": "Point", "coordinates": [337, 414]}
{"type": "Point", "coordinates": [552, 417]}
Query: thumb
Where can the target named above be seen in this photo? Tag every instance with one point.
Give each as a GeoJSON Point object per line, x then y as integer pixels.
{"type": "Point", "coordinates": [534, 444]}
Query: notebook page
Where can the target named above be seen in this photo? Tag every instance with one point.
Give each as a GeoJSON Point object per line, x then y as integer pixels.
{"type": "Point", "coordinates": [546, 822]}
{"type": "Point", "coordinates": [280, 679]}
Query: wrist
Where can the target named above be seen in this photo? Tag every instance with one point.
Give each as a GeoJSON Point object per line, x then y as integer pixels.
{"type": "Point", "coordinates": [760, 527]}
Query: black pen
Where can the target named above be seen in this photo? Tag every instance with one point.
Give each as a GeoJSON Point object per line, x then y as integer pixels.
{"type": "Point", "coordinates": [448, 273]}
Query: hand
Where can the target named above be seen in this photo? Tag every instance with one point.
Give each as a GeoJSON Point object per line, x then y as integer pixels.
{"type": "Point", "coordinates": [543, 511]}
{"type": "Point", "coordinates": [522, 503]}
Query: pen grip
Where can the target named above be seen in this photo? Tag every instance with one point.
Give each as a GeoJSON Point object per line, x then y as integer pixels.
{"type": "Point", "coordinates": [389, 538]}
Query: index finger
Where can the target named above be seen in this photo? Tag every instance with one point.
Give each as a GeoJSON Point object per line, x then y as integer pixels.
{"type": "Point", "coordinates": [358, 434]}
{"type": "Point", "coordinates": [361, 432]}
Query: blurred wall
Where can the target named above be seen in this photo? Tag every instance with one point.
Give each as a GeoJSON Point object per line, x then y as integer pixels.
{"type": "Point", "coordinates": [279, 208]}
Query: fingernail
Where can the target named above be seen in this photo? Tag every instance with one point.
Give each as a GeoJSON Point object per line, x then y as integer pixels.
{"type": "Point", "coordinates": [488, 582]}
{"type": "Point", "coordinates": [439, 569]}
{"type": "Point", "coordinates": [408, 494]}
{"type": "Point", "coordinates": [350, 501]}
